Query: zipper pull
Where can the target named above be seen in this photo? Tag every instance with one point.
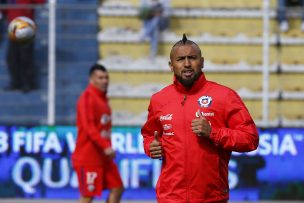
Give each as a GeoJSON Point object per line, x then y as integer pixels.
{"type": "Point", "coordinates": [184, 100]}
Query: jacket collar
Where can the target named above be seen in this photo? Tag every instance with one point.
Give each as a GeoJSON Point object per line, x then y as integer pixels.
{"type": "Point", "coordinates": [195, 87]}
{"type": "Point", "coordinates": [96, 91]}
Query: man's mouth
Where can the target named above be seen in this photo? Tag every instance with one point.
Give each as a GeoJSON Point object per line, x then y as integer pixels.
{"type": "Point", "coordinates": [188, 73]}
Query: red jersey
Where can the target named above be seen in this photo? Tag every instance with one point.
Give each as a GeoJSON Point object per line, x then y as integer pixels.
{"type": "Point", "coordinates": [94, 128]}
{"type": "Point", "coordinates": [195, 168]}
{"type": "Point", "coordinates": [27, 12]}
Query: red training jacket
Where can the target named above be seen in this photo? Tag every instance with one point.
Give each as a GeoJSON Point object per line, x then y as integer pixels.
{"type": "Point", "coordinates": [94, 128]}
{"type": "Point", "coordinates": [195, 168]}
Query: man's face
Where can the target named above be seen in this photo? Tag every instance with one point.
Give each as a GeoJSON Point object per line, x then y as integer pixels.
{"type": "Point", "coordinates": [100, 80]}
{"type": "Point", "coordinates": [186, 63]}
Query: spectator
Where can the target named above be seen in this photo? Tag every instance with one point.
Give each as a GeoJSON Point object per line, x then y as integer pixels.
{"type": "Point", "coordinates": [155, 16]}
{"type": "Point", "coordinates": [20, 57]}
{"type": "Point", "coordinates": [193, 125]}
{"type": "Point", "coordinates": [282, 7]}
{"type": "Point", "coordinates": [93, 155]}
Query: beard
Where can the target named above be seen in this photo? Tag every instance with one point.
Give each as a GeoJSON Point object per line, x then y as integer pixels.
{"type": "Point", "coordinates": [188, 82]}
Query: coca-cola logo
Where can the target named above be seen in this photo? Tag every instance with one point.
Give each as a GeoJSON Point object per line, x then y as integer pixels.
{"type": "Point", "coordinates": [167, 117]}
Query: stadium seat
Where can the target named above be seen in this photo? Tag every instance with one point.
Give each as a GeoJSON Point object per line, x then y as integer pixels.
{"type": "Point", "coordinates": [255, 107]}
{"type": "Point", "coordinates": [291, 82]}
{"type": "Point", "coordinates": [291, 54]}
{"type": "Point", "coordinates": [290, 109]}
{"type": "Point", "coordinates": [217, 53]}
{"type": "Point", "coordinates": [201, 3]}
{"type": "Point", "coordinates": [132, 105]}
{"type": "Point", "coordinates": [194, 25]}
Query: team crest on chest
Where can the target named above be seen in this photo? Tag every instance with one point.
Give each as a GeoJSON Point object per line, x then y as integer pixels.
{"type": "Point", "coordinates": [204, 101]}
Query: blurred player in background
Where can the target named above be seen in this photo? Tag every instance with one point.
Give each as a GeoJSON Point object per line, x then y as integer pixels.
{"type": "Point", "coordinates": [20, 57]}
{"type": "Point", "coordinates": [193, 125]}
{"type": "Point", "coordinates": [93, 155]}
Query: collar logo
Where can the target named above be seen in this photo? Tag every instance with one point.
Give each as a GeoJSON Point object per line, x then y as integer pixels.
{"type": "Point", "coordinates": [204, 101]}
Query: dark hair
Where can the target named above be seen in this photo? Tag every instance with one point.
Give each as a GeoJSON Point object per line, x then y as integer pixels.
{"type": "Point", "coordinates": [97, 67]}
{"type": "Point", "coordinates": [184, 41]}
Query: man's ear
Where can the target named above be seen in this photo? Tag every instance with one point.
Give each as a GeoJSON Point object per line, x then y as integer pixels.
{"type": "Point", "coordinates": [202, 61]}
{"type": "Point", "coordinates": [170, 65]}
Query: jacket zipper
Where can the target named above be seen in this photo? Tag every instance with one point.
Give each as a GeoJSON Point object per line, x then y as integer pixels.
{"type": "Point", "coordinates": [184, 100]}
{"type": "Point", "coordinates": [186, 154]}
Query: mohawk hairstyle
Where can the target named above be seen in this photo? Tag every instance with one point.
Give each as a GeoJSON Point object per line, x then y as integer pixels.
{"type": "Point", "coordinates": [184, 41]}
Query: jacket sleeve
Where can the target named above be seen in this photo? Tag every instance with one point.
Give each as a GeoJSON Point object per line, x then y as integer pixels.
{"type": "Point", "coordinates": [241, 134]}
{"type": "Point", "coordinates": [87, 116]}
{"type": "Point", "coordinates": [152, 124]}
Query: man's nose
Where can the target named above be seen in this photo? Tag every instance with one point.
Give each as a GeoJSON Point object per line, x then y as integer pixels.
{"type": "Point", "coordinates": [187, 62]}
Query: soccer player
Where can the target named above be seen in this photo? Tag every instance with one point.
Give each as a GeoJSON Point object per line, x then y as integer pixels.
{"type": "Point", "coordinates": [193, 125]}
{"type": "Point", "coordinates": [93, 155]}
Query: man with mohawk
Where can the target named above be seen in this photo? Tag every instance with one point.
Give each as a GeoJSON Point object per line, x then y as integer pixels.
{"type": "Point", "coordinates": [193, 125]}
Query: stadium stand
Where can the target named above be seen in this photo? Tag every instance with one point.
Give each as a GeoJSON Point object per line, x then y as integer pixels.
{"type": "Point", "coordinates": [110, 34]}
{"type": "Point", "coordinates": [76, 51]}
{"type": "Point", "coordinates": [17, 107]}
{"type": "Point", "coordinates": [232, 49]}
